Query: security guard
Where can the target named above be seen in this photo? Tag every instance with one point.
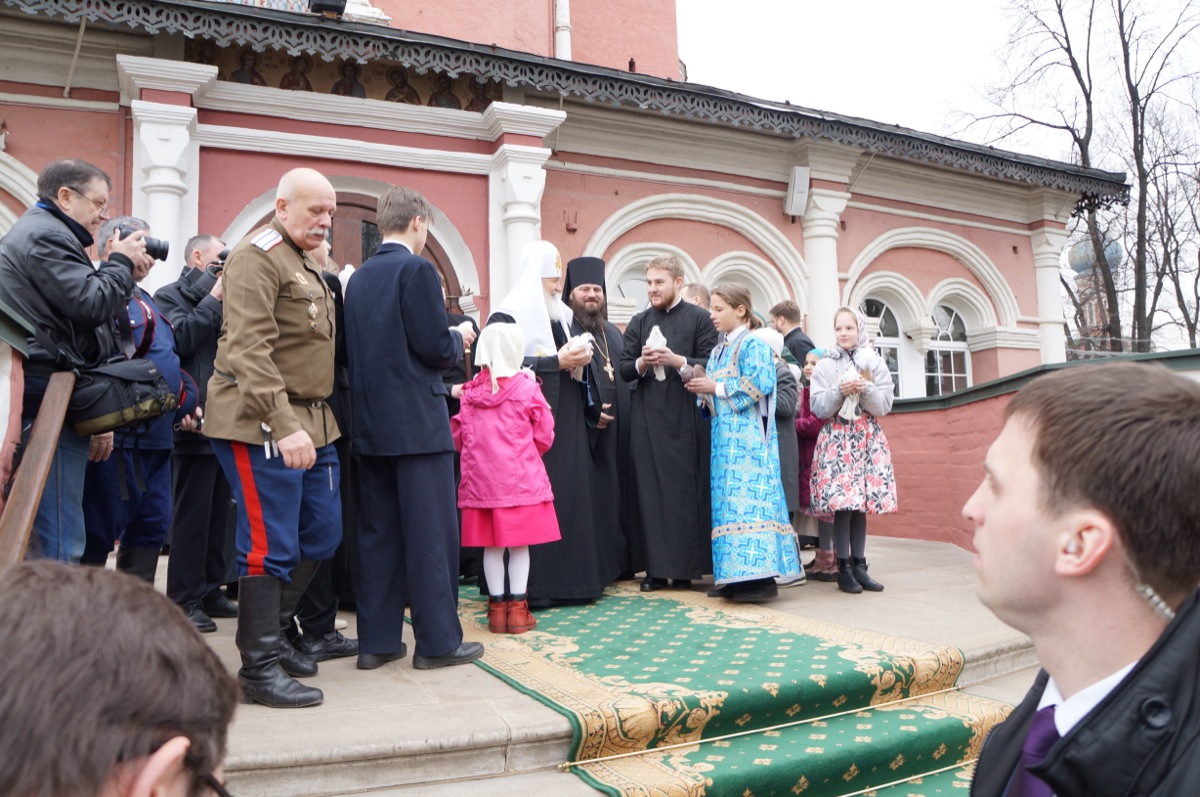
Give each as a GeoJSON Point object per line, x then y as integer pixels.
{"type": "Point", "coordinates": [273, 432]}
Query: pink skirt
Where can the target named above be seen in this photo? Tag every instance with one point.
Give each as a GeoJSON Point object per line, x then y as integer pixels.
{"type": "Point", "coordinates": [510, 527]}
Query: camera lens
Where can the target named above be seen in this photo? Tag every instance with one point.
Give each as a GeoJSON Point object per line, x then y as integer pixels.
{"type": "Point", "coordinates": [155, 247]}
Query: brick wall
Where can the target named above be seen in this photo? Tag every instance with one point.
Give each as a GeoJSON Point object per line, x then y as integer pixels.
{"type": "Point", "coordinates": [938, 455]}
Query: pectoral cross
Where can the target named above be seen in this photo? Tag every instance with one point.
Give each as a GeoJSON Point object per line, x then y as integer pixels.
{"type": "Point", "coordinates": [608, 369]}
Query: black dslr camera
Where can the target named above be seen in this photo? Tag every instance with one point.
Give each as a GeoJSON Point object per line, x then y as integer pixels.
{"type": "Point", "coordinates": [155, 247]}
{"type": "Point", "coordinates": [217, 266]}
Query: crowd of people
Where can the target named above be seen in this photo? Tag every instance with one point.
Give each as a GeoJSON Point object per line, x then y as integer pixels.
{"type": "Point", "coordinates": [334, 452]}
{"type": "Point", "coordinates": [692, 443]}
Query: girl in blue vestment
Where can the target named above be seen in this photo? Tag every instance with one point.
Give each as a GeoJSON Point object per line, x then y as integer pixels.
{"type": "Point", "coordinates": [751, 533]}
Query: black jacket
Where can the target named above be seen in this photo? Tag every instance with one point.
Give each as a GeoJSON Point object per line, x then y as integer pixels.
{"type": "Point", "coordinates": [195, 317]}
{"type": "Point", "coordinates": [1142, 739]}
{"type": "Point", "coordinates": [46, 276]}
{"type": "Point", "coordinates": [398, 338]}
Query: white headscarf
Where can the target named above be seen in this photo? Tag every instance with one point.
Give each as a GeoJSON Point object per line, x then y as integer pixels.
{"type": "Point", "coordinates": [500, 348]}
{"type": "Point", "coordinates": [526, 301]}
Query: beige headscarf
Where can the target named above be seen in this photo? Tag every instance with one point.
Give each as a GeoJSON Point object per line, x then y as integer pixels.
{"type": "Point", "coordinates": [500, 349]}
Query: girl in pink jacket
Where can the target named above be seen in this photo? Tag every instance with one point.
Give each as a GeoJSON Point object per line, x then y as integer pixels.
{"type": "Point", "coordinates": [502, 429]}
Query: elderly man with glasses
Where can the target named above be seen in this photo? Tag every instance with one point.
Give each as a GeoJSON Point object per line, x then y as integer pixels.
{"type": "Point", "coordinates": [47, 277]}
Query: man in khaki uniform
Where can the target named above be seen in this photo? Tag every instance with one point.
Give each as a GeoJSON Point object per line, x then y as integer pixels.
{"type": "Point", "coordinates": [273, 432]}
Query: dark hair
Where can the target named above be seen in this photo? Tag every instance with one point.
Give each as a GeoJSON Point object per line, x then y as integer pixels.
{"type": "Point", "coordinates": [1124, 439]}
{"type": "Point", "coordinates": [100, 671]}
{"type": "Point", "coordinates": [787, 310]}
{"type": "Point", "coordinates": [70, 172]}
{"type": "Point", "coordinates": [398, 207]}
{"type": "Point", "coordinates": [737, 296]}
{"type": "Point", "coordinates": [109, 227]}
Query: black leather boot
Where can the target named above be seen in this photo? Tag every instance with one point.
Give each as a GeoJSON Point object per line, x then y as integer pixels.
{"type": "Point", "coordinates": [294, 663]}
{"type": "Point", "coordinates": [261, 677]}
{"type": "Point", "coordinates": [845, 578]}
{"type": "Point", "coordinates": [859, 567]}
{"type": "Point", "coordinates": [140, 562]}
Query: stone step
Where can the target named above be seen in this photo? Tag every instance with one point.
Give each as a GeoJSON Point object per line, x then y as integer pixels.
{"type": "Point", "coordinates": [405, 731]}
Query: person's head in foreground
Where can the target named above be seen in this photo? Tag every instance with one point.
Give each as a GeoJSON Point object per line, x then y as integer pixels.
{"type": "Point", "coordinates": [1091, 498]}
{"type": "Point", "coordinates": [106, 689]}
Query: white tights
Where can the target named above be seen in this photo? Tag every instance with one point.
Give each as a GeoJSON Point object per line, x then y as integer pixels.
{"type": "Point", "coordinates": [518, 570]}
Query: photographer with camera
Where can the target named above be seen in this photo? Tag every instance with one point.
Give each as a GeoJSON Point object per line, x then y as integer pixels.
{"type": "Point", "coordinates": [47, 277]}
{"type": "Point", "coordinates": [201, 495]}
{"type": "Point", "coordinates": [128, 497]}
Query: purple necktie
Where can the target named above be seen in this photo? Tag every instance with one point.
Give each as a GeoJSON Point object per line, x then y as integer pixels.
{"type": "Point", "coordinates": [1041, 737]}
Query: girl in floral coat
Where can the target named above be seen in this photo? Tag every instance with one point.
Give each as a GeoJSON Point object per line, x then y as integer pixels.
{"type": "Point", "coordinates": [852, 473]}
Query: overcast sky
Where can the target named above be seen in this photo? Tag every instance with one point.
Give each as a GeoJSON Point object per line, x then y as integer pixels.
{"type": "Point", "coordinates": [908, 63]}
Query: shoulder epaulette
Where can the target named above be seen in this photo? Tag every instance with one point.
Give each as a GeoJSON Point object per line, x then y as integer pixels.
{"type": "Point", "coordinates": [267, 239]}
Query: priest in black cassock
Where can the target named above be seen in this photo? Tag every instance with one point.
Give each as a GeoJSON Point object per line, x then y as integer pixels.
{"type": "Point", "coordinates": [608, 416]}
{"type": "Point", "coordinates": [669, 441]}
{"type": "Point", "coordinates": [574, 569]}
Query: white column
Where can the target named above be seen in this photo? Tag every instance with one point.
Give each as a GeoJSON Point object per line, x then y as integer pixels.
{"type": "Point", "coordinates": [1047, 255]}
{"type": "Point", "coordinates": [164, 159]}
{"type": "Point", "coordinates": [516, 183]}
{"type": "Point", "coordinates": [822, 221]}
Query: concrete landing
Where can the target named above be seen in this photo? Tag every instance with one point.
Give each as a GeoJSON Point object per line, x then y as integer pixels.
{"type": "Point", "coordinates": [399, 731]}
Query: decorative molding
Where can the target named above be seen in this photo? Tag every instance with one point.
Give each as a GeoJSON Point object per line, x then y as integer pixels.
{"type": "Point", "coordinates": [136, 74]}
{"type": "Point", "coordinates": [914, 214]}
{"type": "Point", "coordinates": [967, 253]}
{"type": "Point", "coordinates": [1003, 338]}
{"type": "Point", "coordinates": [557, 165]}
{"type": "Point", "coordinates": [964, 296]}
{"type": "Point", "coordinates": [301, 146]}
{"type": "Point", "coordinates": [896, 291]}
{"type": "Point", "coordinates": [66, 103]}
{"type": "Point", "coordinates": [293, 33]}
{"type": "Point", "coordinates": [200, 82]}
{"type": "Point", "coordinates": [18, 179]}
{"type": "Point", "coordinates": [767, 286]}
{"type": "Point", "coordinates": [693, 207]}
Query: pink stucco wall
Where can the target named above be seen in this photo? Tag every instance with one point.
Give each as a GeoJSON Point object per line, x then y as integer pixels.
{"type": "Point", "coordinates": [938, 455]}
{"type": "Point", "coordinates": [604, 32]}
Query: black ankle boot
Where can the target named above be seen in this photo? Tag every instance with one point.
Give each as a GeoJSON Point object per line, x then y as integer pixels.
{"type": "Point", "coordinates": [261, 677]}
{"type": "Point", "coordinates": [294, 663]}
{"type": "Point", "coordinates": [858, 566]}
{"type": "Point", "coordinates": [845, 578]}
{"type": "Point", "coordinates": [140, 562]}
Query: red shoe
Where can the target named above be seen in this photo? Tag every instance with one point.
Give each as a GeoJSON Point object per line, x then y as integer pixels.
{"type": "Point", "coordinates": [498, 614]}
{"type": "Point", "coordinates": [520, 619]}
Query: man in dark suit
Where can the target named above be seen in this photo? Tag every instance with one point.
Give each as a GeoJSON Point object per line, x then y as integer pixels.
{"type": "Point", "coordinates": [785, 319]}
{"type": "Point", "coordinates": [1086, 538]}
{"type": "Point", "coordinates": [398, 339]}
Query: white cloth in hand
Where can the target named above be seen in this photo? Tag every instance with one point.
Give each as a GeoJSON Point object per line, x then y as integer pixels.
{"type": "Point", "coordinates": [850, 409]}
{"type": "Point", "coordinates": [577, 343]}
{"type": "Point", "coordinates": [657, 340]}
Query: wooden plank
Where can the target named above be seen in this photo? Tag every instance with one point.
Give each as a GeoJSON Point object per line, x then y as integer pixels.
{"type": "Point", "coordinates": [16, 523]}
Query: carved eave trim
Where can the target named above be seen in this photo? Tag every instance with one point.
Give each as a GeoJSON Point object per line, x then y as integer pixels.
{"type": "Point", "coordinates": [136, 73]}
{"type": "Point", "coordinates": [229, 24]}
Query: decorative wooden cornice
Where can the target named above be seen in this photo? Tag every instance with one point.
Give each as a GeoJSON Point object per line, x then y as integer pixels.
{"type": "Point", "coordinates": [229, 24]}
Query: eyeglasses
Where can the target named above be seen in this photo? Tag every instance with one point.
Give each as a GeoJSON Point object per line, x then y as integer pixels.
{"type": "Point", "coordinates": [101, 207]}
{"type": "Point", "coordinates": [206, 778]}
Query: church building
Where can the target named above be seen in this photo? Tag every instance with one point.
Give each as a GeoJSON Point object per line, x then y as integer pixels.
{"type": "Point", "coordinates": [546, 119]}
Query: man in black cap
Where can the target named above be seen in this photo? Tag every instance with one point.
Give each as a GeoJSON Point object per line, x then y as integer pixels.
{"type": "Point", "coordinates": [608, 424]}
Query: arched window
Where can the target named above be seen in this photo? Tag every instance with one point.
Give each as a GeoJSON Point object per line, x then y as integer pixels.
{"type": "Point", "coordinates": [948, 361]}
{"type": "Point", "coordinates": [885, 336]}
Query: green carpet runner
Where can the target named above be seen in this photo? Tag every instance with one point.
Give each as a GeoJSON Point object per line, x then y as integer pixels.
{"type": "Point", "coordinates": [637, 672]}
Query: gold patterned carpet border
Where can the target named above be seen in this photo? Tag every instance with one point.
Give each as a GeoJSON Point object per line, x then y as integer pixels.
{"type": "Point", "coordinates": [636, 672]}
